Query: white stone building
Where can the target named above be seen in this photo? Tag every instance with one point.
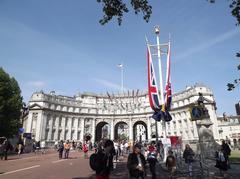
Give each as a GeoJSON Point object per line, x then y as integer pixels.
{"type": "Point", "coordinates": [229, 129]}
{"type": "Point", "coordinates": [54, 117]}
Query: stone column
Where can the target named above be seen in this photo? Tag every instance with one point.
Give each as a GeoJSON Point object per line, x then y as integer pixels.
{"type": "Point", "coordinates": [50, 128]}
{"type": "Point", "coordinates": [149, 128]}
{"type": "Point", "coordinates": [112, 129]}
{"type": "Point", "coordinates": [43, 126]}
{"type": "Point", "coordinates": [70, 128]}
{"type": "Point", "coordinates": [63, 128]}
{"type": "Point", "coordinates": [130, 130]}
{"type": "Point", "coordinates": [56, 128]}
{"type": "Point", "coordinates": [29, 122]}
{"type": "Point", "coordinates": [82, 130]}
{"type": "Point", "coordinates": [93, 129]}
{"type": "Point", "coordinates": [76, 128]}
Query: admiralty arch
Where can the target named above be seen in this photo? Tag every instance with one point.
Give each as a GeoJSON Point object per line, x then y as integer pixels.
{"type": "Point", "coordinates": [54, 117]}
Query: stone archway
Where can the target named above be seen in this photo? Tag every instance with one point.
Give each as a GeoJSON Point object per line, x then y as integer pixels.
{"type": "Point", "coordinates": [140, 132]}
{"type": "Point", "coordinates": [121, 131]}
{"type": "Point", "coordinates": [102, 131]}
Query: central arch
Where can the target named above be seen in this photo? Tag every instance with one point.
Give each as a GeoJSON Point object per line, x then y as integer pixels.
{"type": "Point", "coordinates": [140, 132]}
{"type": "Point", "coordinates": [102, 131]}
{"type": "Point", "coordinates": [121, 131]}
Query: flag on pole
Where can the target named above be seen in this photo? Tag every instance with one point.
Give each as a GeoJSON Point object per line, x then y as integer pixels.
{"type": "Point", "coordinates": [152, 86]}
{"type": "Point", "coordinates": [168, 91]}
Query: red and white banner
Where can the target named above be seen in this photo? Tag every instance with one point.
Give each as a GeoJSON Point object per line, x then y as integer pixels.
{"type": "Point", "coordinates": [168, 91]}
{"type": "Point", "coordinates": [152, 86]}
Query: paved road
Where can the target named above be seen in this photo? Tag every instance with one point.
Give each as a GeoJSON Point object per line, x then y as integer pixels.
{"type": "Point", "coordinates": [48, 166]}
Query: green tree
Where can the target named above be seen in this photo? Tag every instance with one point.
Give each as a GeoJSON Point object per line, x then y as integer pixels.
{"type": "Point", "coordinates": [117, 8]}
{"type": "Point", "coordinates": [231, 86]}
{"type": "Point", "coordinates": [10, 105]}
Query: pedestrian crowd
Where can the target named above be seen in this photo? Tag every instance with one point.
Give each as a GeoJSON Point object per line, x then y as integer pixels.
{"type": "Point", "coordinates": [141, 156]}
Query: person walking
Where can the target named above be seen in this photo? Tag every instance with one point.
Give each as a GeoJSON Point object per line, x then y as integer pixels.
{"type": "Point", "coordinates": [152, 158]}
{"type": "Point", "coordinates": [2, 147]}
{"type": "Point", "coordinates": [188, 155]}
{"type": "Point", "coordinates": [136, 163]}
{"type": "Point", "coordinates": [20, 146]}
{"type": "Point", "coordinates": [103, 160]}
{"type": "Point", "coordinates": [226, 151]}
{"type": "Point", "coordinates": [67, 147]}
{"type": "Point", "coordinates": [7, 146]}
{"type": "Point", "coordinates": [85, 150]}
{"type": "Point", "coordinates": [60, 149]}
{"type": "Point", "coordinates": [171, 162]}
{"type": "Point", "coordinates": [221, 162]}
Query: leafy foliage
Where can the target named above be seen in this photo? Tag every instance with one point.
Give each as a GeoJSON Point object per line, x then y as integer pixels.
{"type": "Point", "coordinates": [116, 8]}
{"type": "Point", "coordinates": [235, 9]}
{"type": "Point", "coordinates": [10, 105]}
{"type": "Point", "coordinates": [231, 86]}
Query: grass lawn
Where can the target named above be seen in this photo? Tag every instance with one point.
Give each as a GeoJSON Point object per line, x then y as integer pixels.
{"type": "Point", "coordinates": [235, 156]}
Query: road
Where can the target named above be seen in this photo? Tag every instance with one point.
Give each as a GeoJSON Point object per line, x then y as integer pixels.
{"type": "Point", "coordinates": [40, 166]}
{"type": "Point", "coordinates": [48, 166]}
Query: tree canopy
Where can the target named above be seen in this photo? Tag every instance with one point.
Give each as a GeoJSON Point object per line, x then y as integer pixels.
{"type": "Point", "coordinates": [117, 8]}
{"type": "Point", "coordinates": [10, 105]}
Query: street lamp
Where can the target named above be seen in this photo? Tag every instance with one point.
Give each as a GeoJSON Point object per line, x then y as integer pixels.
{"type": "Point", "coordinates": [121, 67]}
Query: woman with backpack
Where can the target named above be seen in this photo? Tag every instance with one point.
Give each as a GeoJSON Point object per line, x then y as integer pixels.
{"type": "Point", "coordinates": [152, 159]}
{"type": "Point", "coordinates": [102, 161]}
{"type": "Point", "coordinates": [221, 161]}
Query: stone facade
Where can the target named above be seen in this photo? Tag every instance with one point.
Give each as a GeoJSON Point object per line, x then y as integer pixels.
{"type": "Point", "coordinates": [54, 117]}
{"type": "Point", "coordinates": [229, 128]}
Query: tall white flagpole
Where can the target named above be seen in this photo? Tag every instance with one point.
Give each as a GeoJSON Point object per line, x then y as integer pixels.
{"type": "Point", "coordinates": [157, 31]}
{"type": "Point", "coordinates": [121, 67]}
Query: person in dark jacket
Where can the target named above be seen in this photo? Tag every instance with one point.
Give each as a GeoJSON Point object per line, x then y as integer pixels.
{"type": "Point", "coordinates": [136, 163]}
{"type": "Point", "coordinates": [188, 155]}
{"type": "Point", "coordinates": [60, 149]}
{"type": "Point", "coordinates": [221, 161]}
{"type": "Point", "coordinates": [226, 152]}
{"type": "Point", "coordinates": [105, 157]}
{"type": "Point", "coordinates": [7, 147]}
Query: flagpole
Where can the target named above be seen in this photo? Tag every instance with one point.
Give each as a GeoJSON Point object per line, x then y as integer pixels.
{"type": "Point", "coordinates": [121, 67]}
{"type": "Point", "coordinates": [157, 31]}
{"type": "Point", "coordinates": [122, 78]}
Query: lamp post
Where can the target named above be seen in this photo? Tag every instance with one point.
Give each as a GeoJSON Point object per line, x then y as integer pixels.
{"type": "Point", "coordinates": [157, 32]}
{"type": "Point", "coordinates": [121, 67]}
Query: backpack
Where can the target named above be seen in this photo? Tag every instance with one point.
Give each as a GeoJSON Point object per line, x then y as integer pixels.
{"type": "Point", "coordinates": [151, 156]}
{"type": "Point", "coordinates": [95, 161]}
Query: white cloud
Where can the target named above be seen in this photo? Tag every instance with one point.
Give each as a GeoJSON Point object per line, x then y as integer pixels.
{"type": "Point", "coordinates": [208, 44]}
{"type": "Point", "coordinates": [110, 84]}
{"type": "Point", "coordinates": [37, 83]}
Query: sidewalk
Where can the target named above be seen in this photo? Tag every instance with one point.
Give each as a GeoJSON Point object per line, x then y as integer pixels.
{"type": "Point", "coordinates": [209, 171]}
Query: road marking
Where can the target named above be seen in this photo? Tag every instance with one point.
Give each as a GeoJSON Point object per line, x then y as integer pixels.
{"type": "Point", "coordinates": [56, 161]}
{"type": "Point", "coordinates": [22, 169]}
{"type": "Point", "coordinates": [35, 156]}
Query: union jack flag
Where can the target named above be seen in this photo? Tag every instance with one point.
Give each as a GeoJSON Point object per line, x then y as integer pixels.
{"type": "Point", "coordinates": [152, 86]}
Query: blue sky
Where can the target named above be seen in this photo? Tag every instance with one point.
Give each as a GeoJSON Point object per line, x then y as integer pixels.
{"type": "Point", "coordinates": [59, 45]}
